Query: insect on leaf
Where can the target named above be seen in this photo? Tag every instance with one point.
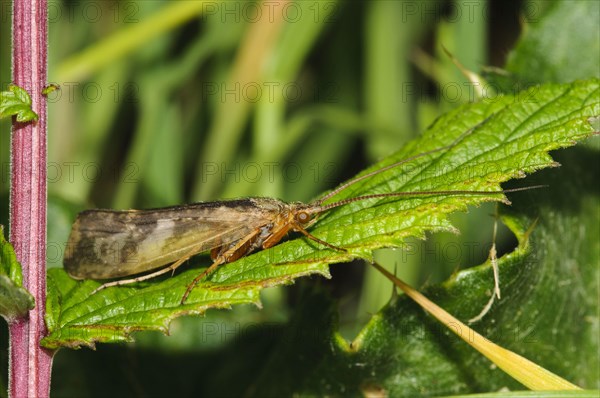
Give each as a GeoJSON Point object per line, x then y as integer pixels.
{"type": "Point", "coordinates": [485, 144]}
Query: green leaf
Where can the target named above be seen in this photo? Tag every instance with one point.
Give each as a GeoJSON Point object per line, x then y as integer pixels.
{"type": "Point", "coordinates": [15, 301]}
{"type": "Point", "coordinates": [49, 89]}
{"type": "Point", "coordinates": [491, 142]}
{"type": "Point", "coordinates": [548, 312]}
{"type": "Point", "coordinates": [542, 55]}
{"type": "Point", "coordinates": [16, 101]}
{"type": "Point", "coordinates": [535, 394]}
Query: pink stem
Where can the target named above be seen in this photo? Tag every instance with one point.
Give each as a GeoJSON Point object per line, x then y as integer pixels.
{"type": "Point", "coordinates": [29, 365]}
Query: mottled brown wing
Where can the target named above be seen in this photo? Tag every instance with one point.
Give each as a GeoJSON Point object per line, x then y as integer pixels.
{"type": "Point", "coordinates": [108, 244]}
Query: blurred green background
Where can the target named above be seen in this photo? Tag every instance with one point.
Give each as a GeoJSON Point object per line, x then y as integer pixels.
{"type": "Point", "coordinates": [170, 102]}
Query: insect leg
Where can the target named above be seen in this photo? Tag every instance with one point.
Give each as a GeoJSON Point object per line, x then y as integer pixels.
{"type": "Point", "coordinates": [197, 279]}
{"type": "Point", "coordinates": [171, 267]}
{"type": "Point", "coordinates": [222, 258]}
{"type": "Point", "coordinates": [312, 237]}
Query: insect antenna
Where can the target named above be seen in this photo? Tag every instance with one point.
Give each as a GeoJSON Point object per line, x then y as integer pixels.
{"type": "Point", "coordinates": [322, 208]}
{"type": "Point", "coordinates": [353, 181]}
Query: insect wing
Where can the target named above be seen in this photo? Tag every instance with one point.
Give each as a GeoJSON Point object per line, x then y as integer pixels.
{"type": "Point", "coordinates": [109, 244]}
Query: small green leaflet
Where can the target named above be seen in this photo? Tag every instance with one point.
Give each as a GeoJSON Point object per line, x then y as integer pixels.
{"type": "Point", "coordinates": [49, 89]}
{"type": "Point", "coordinates": [16, 102]}
{"type": "Point", "coordinates": [14, 300]}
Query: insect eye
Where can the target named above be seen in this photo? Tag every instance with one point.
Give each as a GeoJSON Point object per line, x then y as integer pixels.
{"type": "Point", "coordinates": [303, 217]}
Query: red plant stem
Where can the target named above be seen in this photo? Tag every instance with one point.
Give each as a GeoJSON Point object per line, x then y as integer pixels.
{"type": "Point", "coordinates": [29, 365]}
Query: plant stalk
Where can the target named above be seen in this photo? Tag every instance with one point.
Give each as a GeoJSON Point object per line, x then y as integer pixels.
{"type": "Point", "coordinates": [29, 364]}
